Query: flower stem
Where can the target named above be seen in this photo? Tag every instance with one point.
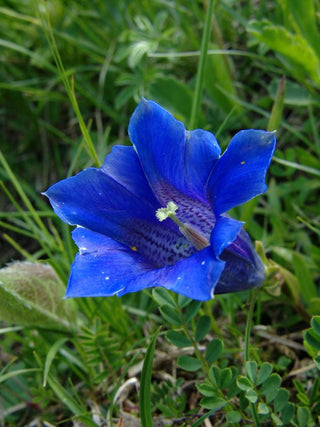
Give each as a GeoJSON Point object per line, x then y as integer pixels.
{"type": "Point", "coordinates": [202, 62]}
{"type": "Point", "coordinates": [252, 301]}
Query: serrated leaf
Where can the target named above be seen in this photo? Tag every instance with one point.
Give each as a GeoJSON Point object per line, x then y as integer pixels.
{"type": "Point", "coordinates": [178, 339]}
{"type": "Point", "coordinates": [214, 350]}
{"type": "Point", "coordinates": [170, 315]}
{"type": "Point", "coordinates": [188, 363]}
{"type": "Point", "coordinates": [32, 294]}
{"type": "Point", "coordinates": [163, 297]}
{"type": "Point", "coordinates": [293, 47]}
{"type": "Point", "coordinates": [264, 373]}
{"type": "Point", "coordinates": [213, 403]}
{"type": "Point", "coordinates": [304, 16]}
{"type": "Point", "coordinates": [202, 327]}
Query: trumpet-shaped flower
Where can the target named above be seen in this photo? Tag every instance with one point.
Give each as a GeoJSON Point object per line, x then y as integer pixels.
{"type": "Point", "coordinates": [155, 213]}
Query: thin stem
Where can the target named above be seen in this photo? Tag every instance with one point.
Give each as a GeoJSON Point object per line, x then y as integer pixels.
{"type": "Point", "coordinates": [252, 301]}
{"type": "Point", "coordinates": [202, 62]}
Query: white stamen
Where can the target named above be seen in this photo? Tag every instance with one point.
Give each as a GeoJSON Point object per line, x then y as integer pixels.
{"type": "Point", "coordinates": [164, 213]}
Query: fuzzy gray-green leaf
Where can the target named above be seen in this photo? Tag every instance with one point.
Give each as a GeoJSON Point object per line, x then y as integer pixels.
{"type": "Point", "coordinates": [32, 294]}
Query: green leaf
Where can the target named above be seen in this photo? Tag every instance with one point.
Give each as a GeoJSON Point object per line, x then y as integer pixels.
{"type": "Point", "coordinates": [315, 324]}
{"type": "Point", "coordinates": [295, 94]}
{"type": "Point", "coordinates": [188, 363]}
{"type": "Point", "coordinates": [281, 399]}
{"type": "Point", "coordinates": [226, 378]}
{"type": "Point", "coordinates": [174, 95]}
{"type": "Point", "coordinates": [170, 315]}
{"type": "Point", "coordinates": [244, 383]}
{"type": "Point", "coordinates": [214, 350]}
{"type": "Point", "coordinates": [287, 413]}
{"type": "Point", "coordinates": [303, 416]}
{"type": "Point", "coordinates": [263, 409]}
{"type": "Point", "coordinates": [192, 310]}
{"type": "Point", "coordinates": [213, 403]}
{"type": "Point", "coordinates": [270, 387]}
{"type": "Point", "coordinates": [203, 327]}
{"type": "Point", "coordinates": [163, 297]}
{"type": "Point", "coordinates": [264, 372]}
{"type": "Point", "coordinates": [32, 294]}
{"type": "Point", "coordinates": [277, 108]}
{"type": "Point", "coordinates": [304, 16]}
{"type": "Point", "coordinates": [145, 384]}
{"type": "Point", "coordinates": [298, 386]}
{"type": "Point", "coordinates": [64, 396]}
{"type": "Point", "coordinates": [317, 361]}
{"type": "Point", "coordinates": [276, 420]}
{"type": "Point", "coordinates": [11, 374]}
{"type": "Point", "coordinates": [312, 339]}
{"type": "Point", "coordinates": [251, 370]}
{"type": "Point", "coordinates": [183, 301]}
{"type": "Point", "coordinates": [178, 339]}
{"type": "Point", "coordinates": [251, 395]}
{"type": "Point", "coordinates": [234, 417]}
{"type": "Point", "coordinates": [214, 376]}
{"type": "Point", "coordinates": [293, 47]}
{"type": "Point", "coordinates": [307, 286]}
{"type": "Point", "coordinates": [50, 356]}
{"type": "Point", "coordinates": [207, 389]}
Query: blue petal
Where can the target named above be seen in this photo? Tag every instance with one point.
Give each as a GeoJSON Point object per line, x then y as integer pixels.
{"type": "Point", "coordinates": [224, 233]}
{"type": "Point", "coordinates": [171, 156]}
{"type": "Point", "coordinates": [244, 269]}
{"type": "Point", "coordinates": [108, 199]}
{"type": "Point", "coordinates": [194, 277]}
{"type": "Point", "coordinates": [240, 172]}
{"type": "Point", "coordinates": [104, 267]}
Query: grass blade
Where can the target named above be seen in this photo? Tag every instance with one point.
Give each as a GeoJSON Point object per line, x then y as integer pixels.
{"type": "Point", "coordinates": [144, 397]}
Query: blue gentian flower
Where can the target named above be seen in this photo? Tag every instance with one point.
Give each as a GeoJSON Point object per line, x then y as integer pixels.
{"type": "Point", "coordinates": [155, 213]}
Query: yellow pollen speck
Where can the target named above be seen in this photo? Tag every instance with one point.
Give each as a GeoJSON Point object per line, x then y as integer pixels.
{"type": "Point", "coordinates": [134, 248]}
{"type": "Point", "coordinates": [243, 162]}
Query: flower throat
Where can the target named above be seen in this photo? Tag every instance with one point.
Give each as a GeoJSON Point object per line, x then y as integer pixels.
{"type": "Point", "coordinates": [192, 235]}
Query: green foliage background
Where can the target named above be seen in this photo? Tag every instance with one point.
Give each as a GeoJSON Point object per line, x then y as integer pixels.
{"type": "Point", "coordinates": [64, 103]}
